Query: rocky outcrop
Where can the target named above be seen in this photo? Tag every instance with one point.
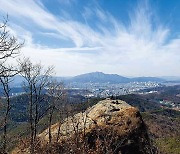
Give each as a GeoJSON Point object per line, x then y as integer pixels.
{"type": "Point", "coordinates": [112, 120]}
{"type": "Point", "coordinates": [110, 126]}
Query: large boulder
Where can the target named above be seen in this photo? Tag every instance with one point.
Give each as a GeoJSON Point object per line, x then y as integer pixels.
{"type": "Point", "coordinates": [112, 121]}
{"type": "Point", "coordinates": [110, 126]}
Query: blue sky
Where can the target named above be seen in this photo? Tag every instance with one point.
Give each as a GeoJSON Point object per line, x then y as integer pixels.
{"type": "Point", "coordinates": [126, 37]}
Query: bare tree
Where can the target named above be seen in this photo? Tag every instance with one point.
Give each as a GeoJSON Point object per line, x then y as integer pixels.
{"type": "Point", "coordinates": [9, 46]}
{"type": "Point", "coordinates": [55, 92]}
{"type": "Point", "coordinates": [4, 82]}
{"type": "Point", "coordinates": [43, 82]}
{"type": "Point", "coordinates": [36, 79]}
{"type": "Point", "coordinates": [62, 110]}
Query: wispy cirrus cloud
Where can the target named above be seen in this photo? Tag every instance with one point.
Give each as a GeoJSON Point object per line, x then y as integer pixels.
{"type": "Point", "coordinates": [67, 2]}
{"type": "Point", "coordinates": [142, 47]}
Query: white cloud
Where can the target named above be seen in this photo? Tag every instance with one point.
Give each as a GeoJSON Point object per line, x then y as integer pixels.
{"type": "Point", "coordinates": [142, 48]}
{"type": "Point", "coordinates": [67, 2]}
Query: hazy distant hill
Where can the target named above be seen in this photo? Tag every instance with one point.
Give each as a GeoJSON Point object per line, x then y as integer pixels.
{"type": "Point", "coordinates": [171, 78]}
{"type": "Point", "coordinates": [17, 81]}
{"type": "Point", "coordinates": [99, 77]}
{"type": "Point", "coordinates": [146, 79]}
{"type": "Point", "coordinates": [94, 77]}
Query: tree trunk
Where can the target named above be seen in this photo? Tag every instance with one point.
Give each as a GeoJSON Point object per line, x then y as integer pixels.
{"type": "Point", "coordinates": [31, 121]}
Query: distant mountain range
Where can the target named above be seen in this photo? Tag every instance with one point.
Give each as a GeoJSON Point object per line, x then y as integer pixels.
{"type": "Point", "coordinates": [99, 77]}
{"type": "Point", "coordinates": [95, 77]}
